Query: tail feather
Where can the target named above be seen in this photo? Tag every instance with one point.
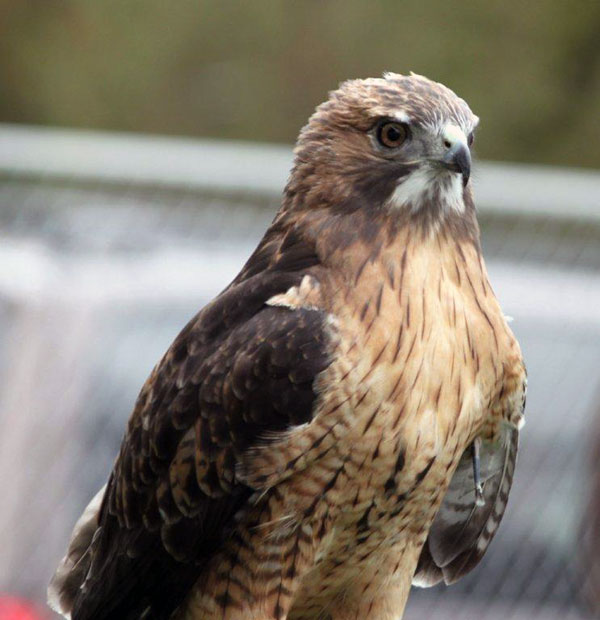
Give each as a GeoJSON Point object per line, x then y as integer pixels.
{"type": "Point", "coordinates": [73, 568]}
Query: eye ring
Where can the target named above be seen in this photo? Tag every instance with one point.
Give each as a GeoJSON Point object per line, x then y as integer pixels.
{"type": "Point", "coordinates": [392, 134]}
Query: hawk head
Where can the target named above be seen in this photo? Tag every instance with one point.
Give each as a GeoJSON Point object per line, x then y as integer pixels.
{"type": "Point", "coordinates": [395, 143]}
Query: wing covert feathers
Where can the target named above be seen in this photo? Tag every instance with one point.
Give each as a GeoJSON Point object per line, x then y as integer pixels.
{"type": "Point", "coordinates": [238, 375]}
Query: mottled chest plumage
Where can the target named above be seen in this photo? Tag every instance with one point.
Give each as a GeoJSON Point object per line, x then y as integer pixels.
{"type": "Point", "coordinates": [428, 364]}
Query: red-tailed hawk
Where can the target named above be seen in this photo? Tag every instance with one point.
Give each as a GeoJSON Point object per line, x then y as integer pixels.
{"type": "Point", "coordinates": [342, 420]}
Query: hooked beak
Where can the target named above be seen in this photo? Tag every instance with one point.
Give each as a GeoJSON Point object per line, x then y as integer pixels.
{"type": "Point", "coordinates": [458, 159]}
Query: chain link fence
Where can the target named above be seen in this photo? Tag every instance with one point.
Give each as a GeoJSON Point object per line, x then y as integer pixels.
{"type": "Point", "coordinates": [110, 243]}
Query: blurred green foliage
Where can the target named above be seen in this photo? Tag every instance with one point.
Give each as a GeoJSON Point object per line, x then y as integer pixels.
{"type": "Point", "coordinates": [255, 70]}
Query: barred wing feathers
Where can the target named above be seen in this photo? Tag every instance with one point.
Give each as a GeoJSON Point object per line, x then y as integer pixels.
{"type": "Point", "coordinates": [240, 371]}
{"type": "Point", "coordinates": [462, 530]}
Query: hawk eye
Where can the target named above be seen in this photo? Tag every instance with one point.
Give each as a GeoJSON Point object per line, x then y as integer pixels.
{"type": "Point", "coordinates": [392, 134]}
{"type": "Point", "coordinates": [470, 139]}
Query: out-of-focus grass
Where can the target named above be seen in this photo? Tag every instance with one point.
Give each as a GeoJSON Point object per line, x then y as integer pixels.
{"type": "Point", "coordinates": [255, 70]}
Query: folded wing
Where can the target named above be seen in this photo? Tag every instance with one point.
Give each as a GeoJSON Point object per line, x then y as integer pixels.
{"type": "Point", "coordinates": [462, 529]}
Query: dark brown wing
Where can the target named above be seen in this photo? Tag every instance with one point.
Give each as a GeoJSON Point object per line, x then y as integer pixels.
{"type": "Point", "coordinates": [462, 530]}
{"type": "Point", "coordinates": [240, 371]}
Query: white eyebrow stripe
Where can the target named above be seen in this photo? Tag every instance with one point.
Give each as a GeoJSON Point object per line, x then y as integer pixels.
{"type": "Point", "coordinates": [401, 116]}
{"type": "Point", "coordinates": [453, 133]}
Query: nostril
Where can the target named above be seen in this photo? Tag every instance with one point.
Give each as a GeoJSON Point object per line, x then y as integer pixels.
{"type": "Point", "coordinates": [447, 144]}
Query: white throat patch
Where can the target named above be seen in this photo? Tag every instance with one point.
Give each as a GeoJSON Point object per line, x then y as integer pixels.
{"type": "Point", "coordinates": [426, 184]}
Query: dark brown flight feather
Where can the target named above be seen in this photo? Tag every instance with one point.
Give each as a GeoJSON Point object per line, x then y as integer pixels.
{"type": "Point", "coordinates": [237, 372]}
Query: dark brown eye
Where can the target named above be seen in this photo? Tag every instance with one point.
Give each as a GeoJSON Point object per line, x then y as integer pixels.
{"type": "Point", "coordinates": [470, 139]}
{"type": "Point", "coordinates": [392, 134]}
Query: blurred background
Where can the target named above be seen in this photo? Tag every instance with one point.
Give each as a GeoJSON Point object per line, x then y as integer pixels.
{"type": "Point", "coordinates": [143, 149]}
